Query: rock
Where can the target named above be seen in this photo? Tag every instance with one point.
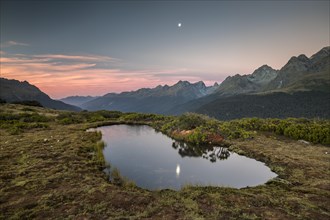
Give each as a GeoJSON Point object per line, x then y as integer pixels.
{"type": "Point", "coordinates": [304, 142]}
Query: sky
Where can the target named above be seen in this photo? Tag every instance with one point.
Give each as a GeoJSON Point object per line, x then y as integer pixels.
{"type": "Point", "coordinates": [96, 47]}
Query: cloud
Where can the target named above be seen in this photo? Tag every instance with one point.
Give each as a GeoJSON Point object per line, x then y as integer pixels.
{"type": "Point", "coordinates": [95, 58]}
{"type": "Point", "coordinates": [61, 75]}
{"type": "Point", "coordinates": [13, 43]}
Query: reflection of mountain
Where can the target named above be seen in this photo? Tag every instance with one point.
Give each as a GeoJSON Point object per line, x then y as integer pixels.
{"type": "Point", "coordinates": [207, 151]}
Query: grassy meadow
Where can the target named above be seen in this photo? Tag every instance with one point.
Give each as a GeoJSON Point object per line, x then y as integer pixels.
{"type": "Point", "coordinates": [51, 168]}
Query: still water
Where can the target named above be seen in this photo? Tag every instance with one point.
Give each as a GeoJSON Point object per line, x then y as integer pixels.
{"type": "Point", "coordinates": [155, 161]}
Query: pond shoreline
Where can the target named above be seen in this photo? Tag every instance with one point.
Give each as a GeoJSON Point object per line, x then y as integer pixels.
{"type": "Point", "coordinates": [158, 170]}
{"type": "Point", "coordinates": [50, 171]}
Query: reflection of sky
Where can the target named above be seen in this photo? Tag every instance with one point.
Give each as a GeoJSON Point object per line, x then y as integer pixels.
{"type": "Point", "coordinates": [148, 158]}
{"type": "Point", "coordinates": [95, 47]}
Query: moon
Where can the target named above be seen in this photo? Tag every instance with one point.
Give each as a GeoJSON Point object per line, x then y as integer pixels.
{"type": "Point", "coordinates": [179, 24]}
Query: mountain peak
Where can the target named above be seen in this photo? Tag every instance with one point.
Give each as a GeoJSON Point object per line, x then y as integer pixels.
{"type": "Point", "coordinates": [182, 83]}
{"type": "Point", "coordinates": [302, 58]}
{"type": "Point", "coordinates": [324, 52]}
{"type": "Point", "coordinates": [263, 75]}
{"type": "Point", "coordinates": [297, 64]}
{"type": "Point", "coordinates": [263, 68]}
{"type": "Point", "coordinates": [200, 84]}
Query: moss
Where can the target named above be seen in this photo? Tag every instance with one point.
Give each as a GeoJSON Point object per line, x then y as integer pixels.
{"type": "Point", "coordinates": [60, 178]}
{"type": "Point", "coordinates": [116, 177]}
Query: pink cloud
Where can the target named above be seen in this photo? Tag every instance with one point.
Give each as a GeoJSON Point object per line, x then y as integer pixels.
{"type": "Point", "coordinates": [13, 43]}
{"type": "Point", "coordinates": [94, 58]}
{"type": "Point", "coordinates": [80, 75]}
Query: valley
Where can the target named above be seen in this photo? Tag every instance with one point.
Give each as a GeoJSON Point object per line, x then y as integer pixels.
{"type": "Point", "coordinates": [145, 109]}
{"type": "Point", "coordinates": [301, 88]}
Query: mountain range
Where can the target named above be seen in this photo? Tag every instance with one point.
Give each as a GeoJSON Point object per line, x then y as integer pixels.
{"type": "Point", "coordinates": [279, 92]}
{"type": "Point", "coordinates": [288, 78]}
{"type": "Point", "coordinates": [160, 99]}
{"type": "Point", "coordinates": [301, 88]}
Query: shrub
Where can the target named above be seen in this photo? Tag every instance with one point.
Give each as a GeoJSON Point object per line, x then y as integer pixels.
{"type": "Point", "coordinates": [189, 121]}
{"type": "Point", "coordinates": [70, 118]}
{"type": "Point", "coordinates": [29, 103]}
{"type": "Point", "coordinates": [142, 117]}
{"type": "Point", "coordinates": [315, 131]}
{"type": "Point", "coordinates": [26, 109]}
{"type": "Point", "coordinates": [95, 118]}
{"type": "Point", "coordinates": [116, 177]}
{"type": "Point", "coordinates": [110, 114]}
{"type": "Point", "coordinates": [198, 136]}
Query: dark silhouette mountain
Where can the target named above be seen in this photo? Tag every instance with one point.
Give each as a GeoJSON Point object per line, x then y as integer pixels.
{"type": "Point", "coordinates": [16, 91]}
{"type": "Point", "coordinates": [78, 100]}
{"type": "Point", "coordinates": [156, 100]}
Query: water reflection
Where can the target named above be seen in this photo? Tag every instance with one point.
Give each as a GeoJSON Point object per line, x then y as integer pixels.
{"type": "Point", "coordinates": [177, 171]}
{"type": "Point", "coordinates": [208, 152]}
{"type": "Point", "coordinates": [155, 161]}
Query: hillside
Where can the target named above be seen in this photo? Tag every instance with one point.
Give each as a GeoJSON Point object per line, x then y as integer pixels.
{"type": "Point", "coordinates": [16, 91]}
{"type": "Point", "coordinates": [308, 104]}
{"type": "Point", "coordinates": [78, 100]}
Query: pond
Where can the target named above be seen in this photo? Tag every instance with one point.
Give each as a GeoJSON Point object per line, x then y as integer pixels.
{"type": "Point", "coordinates": [155, 161]}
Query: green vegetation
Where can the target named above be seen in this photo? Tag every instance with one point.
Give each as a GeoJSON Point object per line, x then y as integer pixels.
{"type": "Point", "coordinates": [136, 117]}
{"type": "Point", "coordinates": [117, 179]}
{"type": "Point", "coordinates": [29, 103]}
{"type": "Point", "coordinates": [200, 129]}
{"type": "Point", "coordinates": [17, 123]}
{"type": "Point", "coordinates": [99, 146]}
{"type": "Point", "coordinates": [315, 131]}
{"type": "Point", "coordinates": [55, 171]}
